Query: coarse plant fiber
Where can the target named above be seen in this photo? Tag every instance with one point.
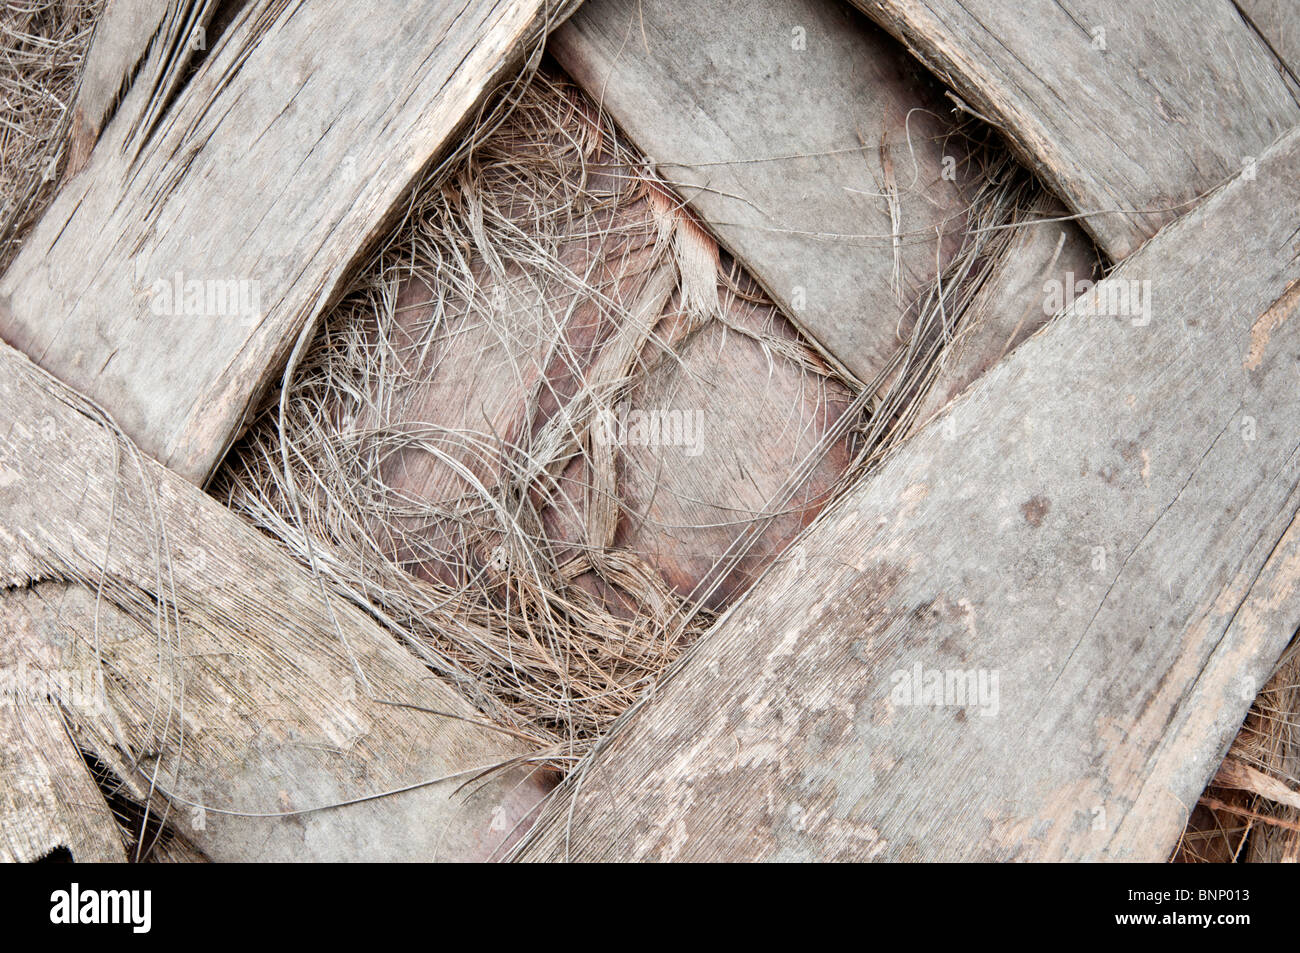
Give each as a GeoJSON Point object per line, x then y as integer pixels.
{"type": "Point", "coordinates": [42, 45]}
{"type": "Point", "coordinates": [552, 632]}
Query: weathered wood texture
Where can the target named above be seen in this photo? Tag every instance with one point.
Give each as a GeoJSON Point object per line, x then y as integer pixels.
{"type": "Point", "coordinates": [1105, 523]}
{"type": "Point", "coordinates": [282, 156]}
{"type": "Point", "coordinates": [1278, 25]}
{"type": "Point", "coordinates": [120, 44]}
{"type": "Point", "coordinates": [1010, 305]}
{"type": "Point", "coordinates": [249, 693]}
{"type": "Point", "coordinates": [786, 126]}
{"type": "Point", "coordinates": [46, 801]}
{"type": "Point", "coordinates": [1128, 109]}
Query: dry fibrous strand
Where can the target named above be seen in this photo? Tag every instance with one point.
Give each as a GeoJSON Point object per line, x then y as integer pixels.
{"type": "Point", "coordinates": [444, 430]}
{"type": "Point", "coordinates": [42, 45]}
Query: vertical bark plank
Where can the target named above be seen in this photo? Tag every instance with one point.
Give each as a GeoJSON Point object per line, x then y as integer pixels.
{"type": "Point", "coordinates": [120, 45]}
{"type": "Point", "coordinates": [48, 799]}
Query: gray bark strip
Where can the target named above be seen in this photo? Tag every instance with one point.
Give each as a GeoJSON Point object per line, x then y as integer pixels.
{"type": "Point", "coordinates": [1105, 523]}
{"type": "Point", "coordinates": [774, 121]}
{"type": "Point", "coordinates": [1010, 306]}
{"type": "Point", "coordinates": [170, 285]}
{"type": "Point", "coordinates": [120, 46]}
{"type": "Point", "coordinates": [1140, 107]}
{"type": "Point", "coordinates": [1278, 24]}
{"type": "Point", "coordinates": [48, 799]}
{"type": "Point", "coordinates": [245, 692]}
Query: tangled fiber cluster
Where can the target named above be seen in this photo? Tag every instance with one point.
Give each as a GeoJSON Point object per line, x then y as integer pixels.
{"type": "Point", "coordinates": [434, 454]}
{"type": "Point", "coordinates": [41, 50]}
{"type": "Point", "coordinates": [530, 275]}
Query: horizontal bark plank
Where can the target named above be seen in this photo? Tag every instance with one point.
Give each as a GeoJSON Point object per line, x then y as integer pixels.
{"type": "Point", "coordinates": [171, 277]}
{"type": "Point", "coordinates": [250, 700]}
{"type": "Point", "coordinates": [1123, 108]}
{"type": "Point", "coordinates": [785, 128]}
{"type": "Point", "coordinates": [1101, 532]}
